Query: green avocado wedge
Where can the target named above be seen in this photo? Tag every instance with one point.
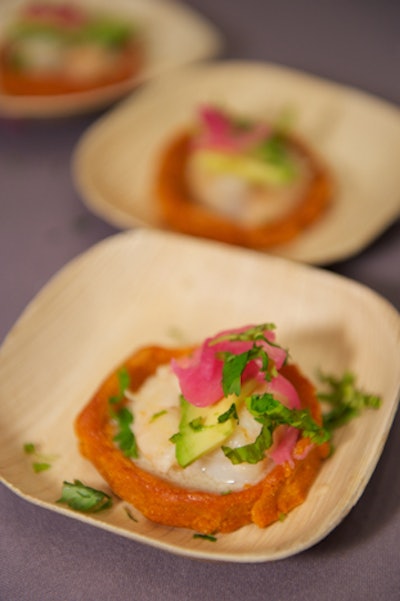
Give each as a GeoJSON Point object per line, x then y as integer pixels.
{"type": "Point", "coordinates": [200, 431]}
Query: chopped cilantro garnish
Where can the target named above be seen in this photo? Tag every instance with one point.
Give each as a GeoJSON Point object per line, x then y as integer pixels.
{"type": "Point", "coordinates": [101, 30]}
{"type": "Point", "coordinates": [232, 371]}
{"type": "Point", "coordinates": [130, 514]}
{"type": "Point", "coordinates": [125, 437]}
{"type": "Point", "coordinates": [251, 334]}
{"type": "Point", "coordinates": [265, 406]}
{"type": "Point", "coordinates": [197, 424]}
{"type": "Point", "coordinates": [345, 400]}
{"type": "Point", "coordinates": [124, 381]}
{"type": "Point", "coordinates": [228, 414]}
{"type": "Point", "coordinates": [208, 537]}
{"type": "Point", "coordinates": [271, 413]}
{"type": "Point", "coordinates": [158, 414]}
{"type": "Point", "coordinates": [40, 467]}
{"type": "Point", "coordinates": [29, 448]}
{"type": "Point", "coordinates": [234, 364]}
{"type": "Point", "coordinates": [107, 32]}
{"type": "Point", "coordinates": [84, 498]}
{"type": "Point", "coordinates": [252, 452]}
{"type": "Point", "coordinates": [43, 462]}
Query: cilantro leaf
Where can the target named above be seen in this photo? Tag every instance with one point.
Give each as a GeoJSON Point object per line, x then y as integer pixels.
{"type": "Point", "coordinates": [124, 381]}
{"type": "Point", "coordinates": [130, 515]}
{"type": "Point", "coordinates": [265, 405]}
{"type": "Point", "coordinates": [345, 399]}
{"type": "Point", "coordinates": [271, 413]}
{"type": "Point", "coordinates": [106, 31]}
{"type": "Point", "coordinates": [254, 451]}
{"type": "Point", "coordinates": [175, 437]}
{"type": "Point", "coordinates": [29, 448]}
{"type": "Point", "coordinates": [232, 372]}
{"type": "Point", "coordinates": [158, 414]}
{"type": "Point", "coordinates": [230, 413]}
{"type": "Point", "coordinates": [251, 334]}
{"type": "Point", "coordinates": [208, 537]}
{"type": "Point", "coordinates": [234, 365]}
{"type": "Point", "coordinates": [41, 461]}
{"type": "Point", "coordinates": [84, 498]}
{"type": "Point", "coordinates": [40, 466]}
{"type": "Point", "coordinates": [197, 424]}
{"type": "Point", "coordinates": [125, 437]}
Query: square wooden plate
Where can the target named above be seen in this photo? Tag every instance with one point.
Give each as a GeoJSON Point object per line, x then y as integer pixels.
{"type": "Point", "coordinates": [174, 35]}
{"type": "Point", "coordinates": [145, 287]}
{"type": "Point", "coordinates": [357, 135]}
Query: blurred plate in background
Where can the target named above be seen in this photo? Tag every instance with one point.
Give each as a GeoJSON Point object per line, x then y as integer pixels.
{"type": "Point", "coordinates": [357, 135]}
{"type": "Point", "coordinates": [173, 35]}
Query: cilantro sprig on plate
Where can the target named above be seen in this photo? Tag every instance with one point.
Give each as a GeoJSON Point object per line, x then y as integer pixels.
{"type": "Point", "coordinates": [84, 498]}
{"type": "Point", "coordinates": [344, 399]}
{"type": "Point", "coordinates": [42, 462]}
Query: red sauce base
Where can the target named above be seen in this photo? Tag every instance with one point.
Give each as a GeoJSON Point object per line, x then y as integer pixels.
{"type": "Point", "coordinates": [180, 211]}
{"type": "Point", "coordinates": [163, 502]}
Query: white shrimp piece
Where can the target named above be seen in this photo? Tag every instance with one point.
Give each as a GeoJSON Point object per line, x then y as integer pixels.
{"type": "Point", "coordinates": [241, 200]}
{"type": "Point", "coordinates": [40, 54]}
{"type": "Point", "coordinates": [221, 471]}
{"type": "Point", "coordinates": [156, 418]}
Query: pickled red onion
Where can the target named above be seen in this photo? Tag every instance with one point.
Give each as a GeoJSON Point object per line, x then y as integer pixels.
{"type": "Point", "coordinates": [63, 15]}
{"type": "Point", "coordinates": [284, 391]}
{"type": "Point", "coordinates": [200, 376]}
{"type": "Point", "coordinates": [285, 438]}
{"type": "Point", "coordinates": [220, 133]}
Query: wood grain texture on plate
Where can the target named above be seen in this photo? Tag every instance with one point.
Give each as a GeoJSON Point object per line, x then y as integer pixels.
{"type": "Point", "coordinates": [146, 287]}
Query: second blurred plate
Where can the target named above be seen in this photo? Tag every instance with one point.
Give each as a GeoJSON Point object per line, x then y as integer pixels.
{"type": "Point", "coordinates": [356, 134]}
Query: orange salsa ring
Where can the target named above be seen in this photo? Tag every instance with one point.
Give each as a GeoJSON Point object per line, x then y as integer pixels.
{"type": "Point", "coordinates": [180, 211]}
{"type": "Point", "coordinates": [282, 489]}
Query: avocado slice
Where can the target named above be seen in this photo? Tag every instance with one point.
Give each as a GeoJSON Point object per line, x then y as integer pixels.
{"type": "Point", "coordinates": [199, 429]}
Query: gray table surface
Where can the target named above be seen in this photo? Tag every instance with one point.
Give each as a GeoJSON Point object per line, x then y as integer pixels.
{"type": "Point", "coordinates": [44, 224]}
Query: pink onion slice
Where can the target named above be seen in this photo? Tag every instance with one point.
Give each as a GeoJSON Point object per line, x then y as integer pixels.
{"type": "Point", "coordinates": [285, 438]}
{"type": "Point", "coordinates": [63, 15]}
{"type": "Point", "coordinates": [220, 133]}
{"type": "Point", "coordinates": [200, 376]}
{"type": "Point", "coordinates": [284, 391]}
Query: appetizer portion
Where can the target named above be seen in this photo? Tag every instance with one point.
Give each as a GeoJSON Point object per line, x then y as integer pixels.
{"type": "Point", "coordinates": [240, 181]}
{"type": "Point", "coordinates": [209, 438]}
{"type": "Point", "coordinates": [59, 48]}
